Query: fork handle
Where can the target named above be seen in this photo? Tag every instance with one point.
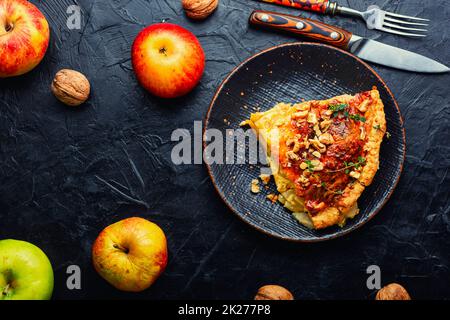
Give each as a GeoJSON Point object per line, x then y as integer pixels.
{"type": "Point", "coordinates": [322, 6]}
{"type": "Point", "coordinates": [308, 28]}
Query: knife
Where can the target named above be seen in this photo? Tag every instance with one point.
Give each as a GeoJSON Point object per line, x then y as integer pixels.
{"type": "Point", "coordinates": [363, 48]}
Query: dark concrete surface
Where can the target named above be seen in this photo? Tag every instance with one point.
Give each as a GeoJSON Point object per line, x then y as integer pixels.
{"type": "Point", "coordinates": [65, 173]}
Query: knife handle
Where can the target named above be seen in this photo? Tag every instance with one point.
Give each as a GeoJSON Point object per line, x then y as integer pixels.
{"type": "Point", "coordinates": [307, 5]}
{"type": "Point", "coordinates": [308, 28]}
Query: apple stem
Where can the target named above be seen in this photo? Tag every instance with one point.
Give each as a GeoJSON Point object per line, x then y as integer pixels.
{"type": "Point", "coordinates": [118, 246]}
{"type": "Point", "coordinates": [163, 51]}
{"type": "Point", "coordinates": [9, 27]}
{"type": "Point", "coordinates": [6, 289]}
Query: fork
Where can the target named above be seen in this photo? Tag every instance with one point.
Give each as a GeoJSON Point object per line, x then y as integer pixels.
{"type": "Point", "coordinates": [374, 17]}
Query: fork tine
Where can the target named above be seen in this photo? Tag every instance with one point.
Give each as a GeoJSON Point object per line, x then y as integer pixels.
{"type": "Point", "coordinates": [405, 22]}
{"type": "Point", "coordinates": [391, 25]}
{"type": "Point", "coordinates": [403, 33]}
{"type": "Point", "coordinates": [404, 17]}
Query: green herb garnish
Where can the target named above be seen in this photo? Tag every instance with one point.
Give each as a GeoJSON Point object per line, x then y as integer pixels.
{"type": "Point", "coordinates": [357, 117]}
{"type": "Point", "coordinates": [349, 165]}
{"type": "Point", "coordinates": [310, 165]}
{"type": "Point", "coordinates": [337, 108]}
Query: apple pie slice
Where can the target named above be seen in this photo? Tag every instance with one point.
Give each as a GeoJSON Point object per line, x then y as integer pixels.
{"type": "Point", "coordinates": [323, 154]}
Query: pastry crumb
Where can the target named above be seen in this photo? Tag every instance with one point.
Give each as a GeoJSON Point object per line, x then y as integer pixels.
{"type": "Point", "coordinates": [265, 178]}
{"type": "Point", "coordinates": [244, 123]}
{"type": "Point", "coordinates": [272, 197]}
{"type": "Point", "coordinates": [255, 186]}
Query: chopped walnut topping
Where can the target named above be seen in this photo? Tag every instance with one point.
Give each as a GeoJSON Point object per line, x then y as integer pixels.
{"type": "Point", "coordinates": [325, 124]}
{"type": "Point", "coordinates": [326, 114]}
{"type": "Point", "coordinates": [319, 146]}
{"type": "Point", "coordinates": [304, 181]}
{"type": "Point", "coordinates": [363, 106]}
{"type": "Point", "coordinates": [295, 142]}
{"type": "Point", "coordinates": [355, 174]}
{"type": "Point", "coordinates": [297, 146]}
{"type": "Point", "coordinates": [312, 118]}
{"type": "Point", "coordinates": [362, 134]}
{"type": "Point", "coordinates": [318, 166]}
{"type": "Point", "coordinates": [326, 138]}
{"type": "Point", "coordinates": [316, 154]}
{"type": "Point", "coordinates": [306, 142]}
{"type": "Point", "coordinates": [290, 142]}
{"type": "Point", "coordinates": [255, 186]}
{"type": "Point", "coordinates": [292, 155]}
{"type": "Point", "coordinates": [317, 130]}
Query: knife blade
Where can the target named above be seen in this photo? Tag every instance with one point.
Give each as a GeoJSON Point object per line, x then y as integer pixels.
{"type": "Point", "coordinates": [366, 49]}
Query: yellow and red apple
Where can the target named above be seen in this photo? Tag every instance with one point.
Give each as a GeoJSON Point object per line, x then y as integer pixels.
{"type": "Point", "coordinates": [130, 254]}
{"type": "Point", "coordinates": [24, 37]}
{"type": "Point", "coordinates": [168, 60]}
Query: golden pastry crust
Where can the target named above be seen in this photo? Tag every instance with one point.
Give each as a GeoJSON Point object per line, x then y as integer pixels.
{"type": "Point", "coordinates": [323, 153]}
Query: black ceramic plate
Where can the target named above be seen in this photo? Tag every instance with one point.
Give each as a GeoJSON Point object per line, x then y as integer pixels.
{"type": "Point", "coordinates": [290, 73]}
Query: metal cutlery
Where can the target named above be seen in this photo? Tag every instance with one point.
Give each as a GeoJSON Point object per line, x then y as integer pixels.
{"type": "Point", "coordinates": [374, 17]}
{"type": "Point", "coordinates": [363, 48]}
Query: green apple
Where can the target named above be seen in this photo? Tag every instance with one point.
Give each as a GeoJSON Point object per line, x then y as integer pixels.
{"type": "Point", "coordinates": [25, 272]}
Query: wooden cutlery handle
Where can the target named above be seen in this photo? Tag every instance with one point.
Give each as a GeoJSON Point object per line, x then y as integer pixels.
{"type": "Point", "coordinates": [308, 5]}
{"type": "Point", "coordinates": [312, 29]}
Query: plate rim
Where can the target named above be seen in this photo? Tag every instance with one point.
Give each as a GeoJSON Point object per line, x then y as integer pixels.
{"type": "Point", "coordinates": [260, 229]}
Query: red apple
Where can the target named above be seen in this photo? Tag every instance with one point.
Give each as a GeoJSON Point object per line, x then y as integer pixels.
{"type": "Point", "coordinates": [168, 60]}
{"type": "Point", "coordinates": [130, 254]}
{"type": "Point", "coordinates": [24, 37]}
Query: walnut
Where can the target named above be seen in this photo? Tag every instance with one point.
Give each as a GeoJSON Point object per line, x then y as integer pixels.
{"type": "Point", "coordinates": [393, 291]}
{"type": "Point", "coordinates": [326, 138]}
{"type": "Point", "coordinates": [317, 130]}
{"type": "Point", "coordinates": [304, 181]}
{"type": "Point", "coordinates": [326, 114]}
{"type": "Point", "coordinates": [199, 9]}
{"type": "Point", "coordinates": [292, 155]}
{"type": "Point", "coordinates": [325, 124]}
{"type": "Point", "coordinates": [316, 154]}
{"type": "Point", "coordinates": [317, 166]}
{"type": "Point", "coordinates": [362, 134]}
{"type": "Point", "coordinates": [355, 174]}
{"type": "Point", "coordinates": [319, 146]}
{"type": "Point", "coordinates": [363, 106]}
{"type": "Point", "coordinates": [71, 87]}
{"type": "Point", "coordinates": [273, 292]}
{"type": "Point", "coordinates": [312, 118]}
